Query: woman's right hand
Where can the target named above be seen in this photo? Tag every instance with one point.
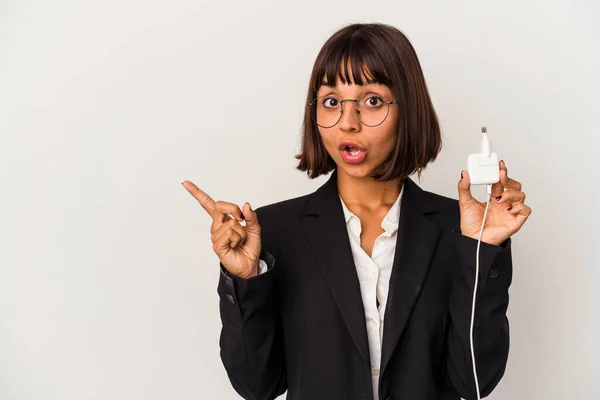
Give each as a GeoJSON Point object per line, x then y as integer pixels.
{"type": "Point", "coordinates": [238, 247]}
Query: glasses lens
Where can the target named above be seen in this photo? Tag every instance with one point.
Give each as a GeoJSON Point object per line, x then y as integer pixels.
{"type": "Point", "coordinates": [327, 110]}
{"type": "Point", "coordinates": [372, 109]}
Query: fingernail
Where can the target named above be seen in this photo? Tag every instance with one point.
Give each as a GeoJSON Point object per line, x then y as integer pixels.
{"type": "Point", "coordinates": [510, 208]}
{"type": "Point", "coordinates": [461, 174]}
{"type": "Point", "coordinates": [498, 198]}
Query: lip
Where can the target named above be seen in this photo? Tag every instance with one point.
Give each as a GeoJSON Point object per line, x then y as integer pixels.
{"type": "Point", "coordinates": [350, 159]}
{"type": "Point", "coordinates": [345, 143]}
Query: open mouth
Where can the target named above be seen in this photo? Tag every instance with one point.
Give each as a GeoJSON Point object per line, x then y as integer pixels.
{"type": "Point", "coordinates": [353, 155]}
{"type": "Point", "coordinates": [352, 151]}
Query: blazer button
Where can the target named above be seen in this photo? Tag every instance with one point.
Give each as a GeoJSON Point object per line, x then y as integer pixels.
{"type": "Point", "coordinates": [231, 299]}
{"type": "Point", "coordinates": [494, 273]}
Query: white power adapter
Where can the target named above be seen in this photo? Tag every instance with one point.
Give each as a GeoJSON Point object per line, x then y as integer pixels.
{"type": "Point", "coordinates": [484, 169]}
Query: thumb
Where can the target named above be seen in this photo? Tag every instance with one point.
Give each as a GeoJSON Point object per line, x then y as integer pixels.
{"type": "Point", "coordinates": [250, 217]}
{"type": "Point", "coordinates": [464, 188]}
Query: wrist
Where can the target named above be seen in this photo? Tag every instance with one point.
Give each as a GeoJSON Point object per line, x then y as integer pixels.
{"type": "Point", "coordinates": [252, 272]}
{"type": "Point", "coordinates": [475, 236]}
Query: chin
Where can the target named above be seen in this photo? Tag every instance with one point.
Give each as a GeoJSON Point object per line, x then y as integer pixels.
{"type": "Point", "coordinates": [355, 171]}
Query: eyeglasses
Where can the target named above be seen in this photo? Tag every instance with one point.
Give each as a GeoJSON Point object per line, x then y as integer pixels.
{"type": "Point", "coordinates": [372, 109]}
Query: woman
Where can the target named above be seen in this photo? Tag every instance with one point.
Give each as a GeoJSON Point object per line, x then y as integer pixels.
{"type": "Point", "coordinates": [363, 289]}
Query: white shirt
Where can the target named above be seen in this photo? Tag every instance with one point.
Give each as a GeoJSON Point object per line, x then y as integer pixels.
{"type": "Point", "coordinates": [374, 276]}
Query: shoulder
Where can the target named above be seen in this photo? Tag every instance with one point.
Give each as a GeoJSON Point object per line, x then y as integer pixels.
{"type": "Point", "coordinates": [444, 203]}
{"type": "Point", "coordinates": [445, 212]}
{"type": "Point", "coordinates": [282, 213]}
{"type": "Point", "coordinates": [428, 201]}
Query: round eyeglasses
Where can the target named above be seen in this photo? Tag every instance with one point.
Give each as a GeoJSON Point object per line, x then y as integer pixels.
{"type": "Point", "coordinates": [372, 109]}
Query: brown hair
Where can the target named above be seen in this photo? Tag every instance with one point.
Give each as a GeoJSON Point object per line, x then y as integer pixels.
{"type": "Point", "coordinates": [383, 55]}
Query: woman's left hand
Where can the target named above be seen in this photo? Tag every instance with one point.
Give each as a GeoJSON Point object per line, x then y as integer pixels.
{"type": "Point", "coordinates": [505, 215]}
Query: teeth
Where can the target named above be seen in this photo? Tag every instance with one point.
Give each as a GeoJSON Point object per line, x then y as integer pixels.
{"type": "Point", "coordinates": [354, 152]}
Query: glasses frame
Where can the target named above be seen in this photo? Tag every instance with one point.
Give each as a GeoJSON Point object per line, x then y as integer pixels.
{"type": "Point", "coordinates": [312, 103]}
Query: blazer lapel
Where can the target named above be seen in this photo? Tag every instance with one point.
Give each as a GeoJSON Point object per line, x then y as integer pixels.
{"type": "Point", "coordinates": [326, 229]}
{"type": "Point", "coordinates": [415, 244]}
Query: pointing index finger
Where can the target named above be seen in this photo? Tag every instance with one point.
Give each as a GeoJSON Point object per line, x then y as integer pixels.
{"type": "Point", "coordinates": [204, 199]}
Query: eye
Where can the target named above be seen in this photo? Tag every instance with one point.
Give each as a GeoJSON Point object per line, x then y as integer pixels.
{"type": "Point", "coordinates": [373, 100]}
{"type": "Point", "coordinates": [330, 102]}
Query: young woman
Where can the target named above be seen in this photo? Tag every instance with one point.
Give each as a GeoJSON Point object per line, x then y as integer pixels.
{"type": "Point", "coordinates": [363, 289]}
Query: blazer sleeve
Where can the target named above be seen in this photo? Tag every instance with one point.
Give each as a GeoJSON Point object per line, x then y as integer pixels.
{"type": "Point", "coordinates": [491, 329]}
{"type": "Point", "coordinates": [251, 335]}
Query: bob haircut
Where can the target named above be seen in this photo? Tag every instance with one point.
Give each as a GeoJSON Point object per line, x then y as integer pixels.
{"type": "Point", "coordinates": [379, 53]}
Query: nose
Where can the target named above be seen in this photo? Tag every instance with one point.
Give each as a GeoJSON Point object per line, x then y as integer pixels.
{"type": "Point", "coordinates": [349, 119]}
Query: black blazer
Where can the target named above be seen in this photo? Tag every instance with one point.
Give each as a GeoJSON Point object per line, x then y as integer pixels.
{"type": "Point", "coordinates": [301, 325]}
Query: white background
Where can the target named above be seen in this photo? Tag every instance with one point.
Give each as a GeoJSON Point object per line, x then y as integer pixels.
{"type": "Point", "coordinates": [107, 275]}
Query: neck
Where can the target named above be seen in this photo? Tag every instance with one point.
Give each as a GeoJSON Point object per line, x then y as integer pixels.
{"type": "Point", "coordinates": [367, 193]}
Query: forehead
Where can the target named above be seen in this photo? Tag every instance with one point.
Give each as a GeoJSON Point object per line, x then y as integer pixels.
{"type": "Point", "coordinates": [346, 74]}
{"type": "Point", "coordinates": [366, 84]}
{"type": "Point", "coordinates": [339, 84]}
